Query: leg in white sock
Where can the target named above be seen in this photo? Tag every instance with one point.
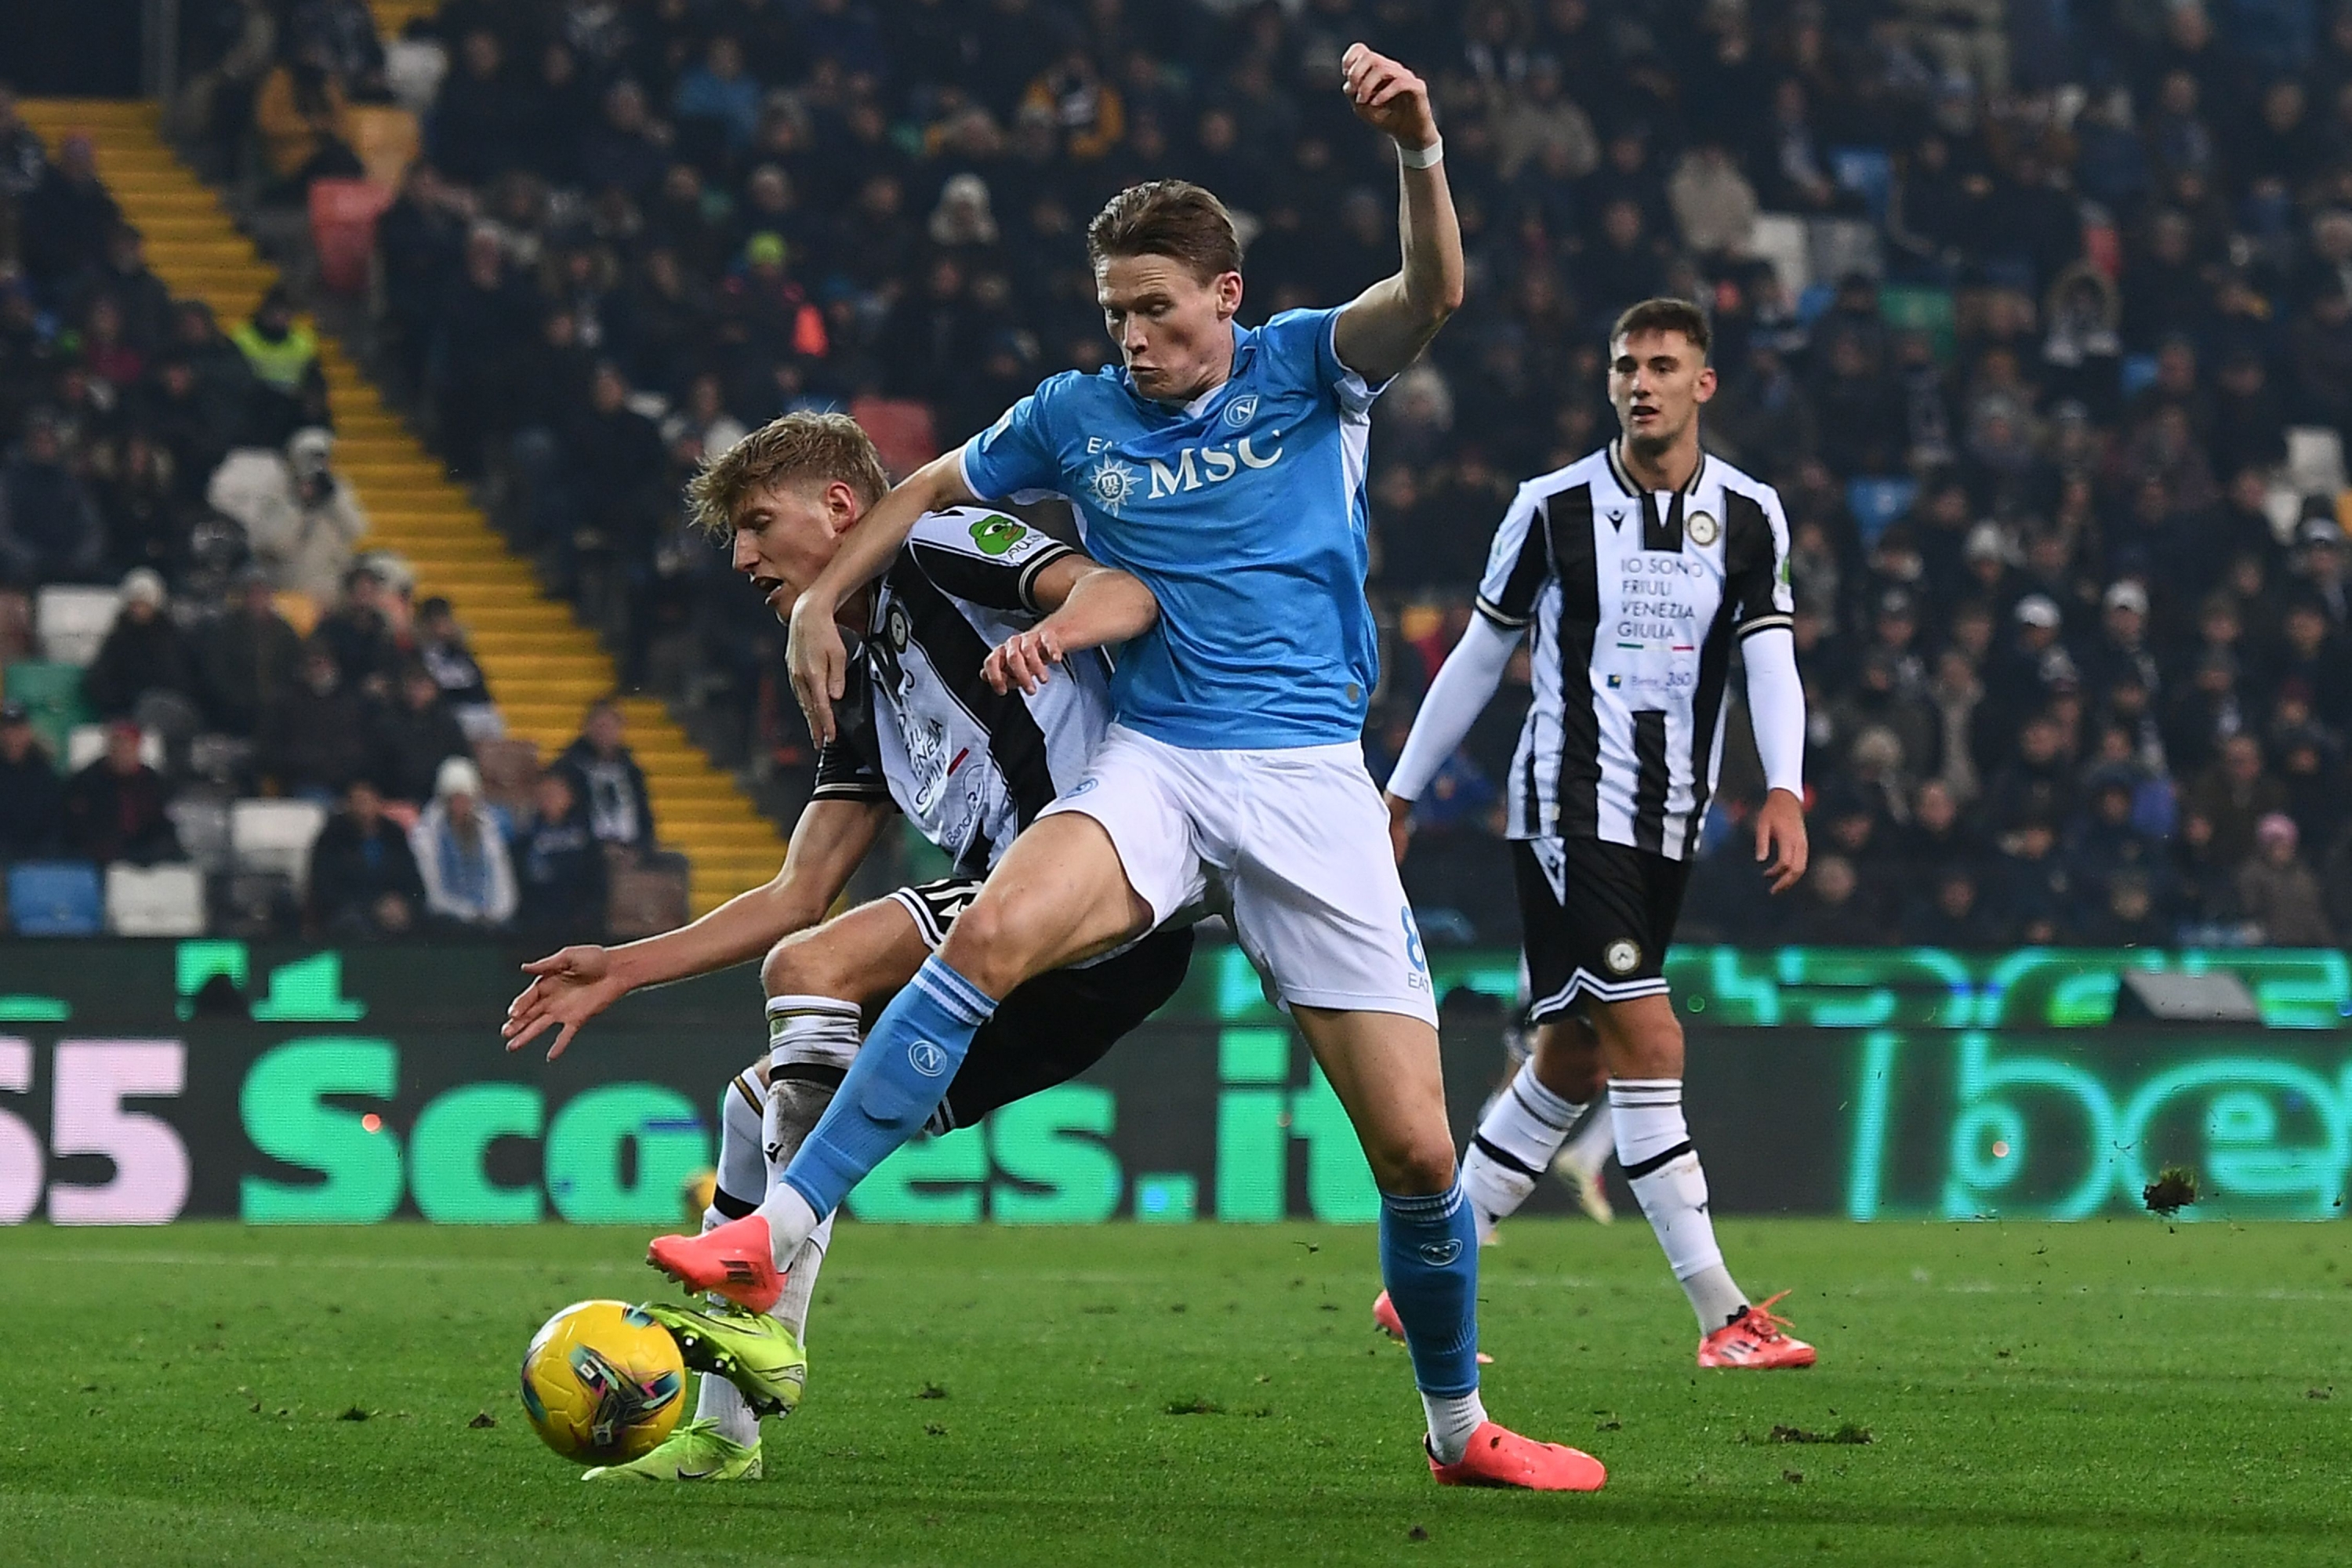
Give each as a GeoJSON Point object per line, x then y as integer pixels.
{"type": "Point", "coordinates": [1589, 1147]}
{"type": "Point", "coordinates": [1515, 1140]}
{"type": "Point", "coordinates": [742, 1177]}
{"type": "Point", "coordinates": [1655, 1147]}
{"type": "Point", "coordinates": [811, 1040]}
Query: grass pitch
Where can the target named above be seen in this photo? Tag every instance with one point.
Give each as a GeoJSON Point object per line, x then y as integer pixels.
{"type": "Point", "coordinates": [2102, 1393]}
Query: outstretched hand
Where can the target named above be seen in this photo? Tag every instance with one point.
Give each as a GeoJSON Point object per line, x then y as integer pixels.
{"type": "Point", "coordinates": [1026, 660]}
{"type": "Point", "coordinates": [567, 989]}
{"type": "Point", "coordinates": [1781, 839]}
{"type": "Point", "coordinates": [1388, 98]}
{"type": "Point", "coordinates": [1400, 826]}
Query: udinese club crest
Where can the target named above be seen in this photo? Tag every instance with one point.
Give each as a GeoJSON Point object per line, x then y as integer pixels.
{"type": "Point", "coordinates": [1702, 528]}
{"type": "Point", "coordinates": [1623, 956]}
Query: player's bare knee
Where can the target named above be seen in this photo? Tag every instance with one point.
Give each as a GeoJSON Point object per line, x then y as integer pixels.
{"type": "Point", "coordinates": [1568, 1058]}
{"type": "Point", "coordinates": [1410, 1167]}
{"type": "Point", "coordinates": [988, 944]}
{"type": "Point", "coordinates": [805, 964]}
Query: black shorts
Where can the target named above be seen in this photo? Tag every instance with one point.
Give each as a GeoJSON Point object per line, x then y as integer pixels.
{"type": "Point", "coordinates": [1605, 933]}
{"type": "Point", "coordinates": [1056, 1026]}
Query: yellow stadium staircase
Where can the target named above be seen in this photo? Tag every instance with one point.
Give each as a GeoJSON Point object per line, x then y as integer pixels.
{"type": "Point", "coordinates": [543, 667]}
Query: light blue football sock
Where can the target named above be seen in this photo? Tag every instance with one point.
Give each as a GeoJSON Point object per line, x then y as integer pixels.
{"type": "Point", "coordinates": [901, 1074]}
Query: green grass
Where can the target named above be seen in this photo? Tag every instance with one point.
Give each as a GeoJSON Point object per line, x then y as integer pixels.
{"type": "Point", "coordinates": [2094, 1394]}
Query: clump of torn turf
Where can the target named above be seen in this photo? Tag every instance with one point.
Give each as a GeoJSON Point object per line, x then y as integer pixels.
{"type": "Point", "coordinates": [2174, 1189]}
{"type": "Point", "coordinates": [1851, 1433]}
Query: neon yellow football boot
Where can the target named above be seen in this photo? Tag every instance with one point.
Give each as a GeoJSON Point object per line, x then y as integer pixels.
{"type": "Point", "coordinates": [695, 1452]}
{"type": "Point", "coordinates": [749, 1349]}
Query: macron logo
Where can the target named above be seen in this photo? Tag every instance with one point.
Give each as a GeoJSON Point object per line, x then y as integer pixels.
{"type": "Point", "coordinates": [1197, 466]}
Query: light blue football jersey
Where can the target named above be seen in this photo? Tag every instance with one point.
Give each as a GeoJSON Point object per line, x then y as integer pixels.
{"type": "Point", "coordinates": [1244, 512]}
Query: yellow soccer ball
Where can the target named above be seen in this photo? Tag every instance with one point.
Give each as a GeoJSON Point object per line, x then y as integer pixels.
{"type": "Point", "coordinates": [603, 1383]}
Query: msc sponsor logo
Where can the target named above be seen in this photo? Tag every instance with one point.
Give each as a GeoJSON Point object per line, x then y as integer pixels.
{"type": "Point", "coordinates": [1112, 484]}
{"type": "Point", "coordinates": [1197, 466]}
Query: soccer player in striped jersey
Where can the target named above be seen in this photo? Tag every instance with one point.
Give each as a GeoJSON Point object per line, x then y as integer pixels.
{"type": "Point", "coordinates": [979, 696]}
{"type": "Point", "coordinates": [1639, 569]}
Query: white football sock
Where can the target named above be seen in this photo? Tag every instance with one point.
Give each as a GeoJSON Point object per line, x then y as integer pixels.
{"type": "Point", "coordinates": [1654, 1146]}
{"type": "Point", "coordinates": [1515, 1140]}
{"type": "Point", "coordinates": [742, 1159]}
{"type": "Point", "coordinates": [800, 1283]}
{"type": "Point", "coordinates": [716, 1400]}
{"type": "Point", "coordinates": [820, 1030]}
{"type": "Point", "coordinates": [1451, 1419]}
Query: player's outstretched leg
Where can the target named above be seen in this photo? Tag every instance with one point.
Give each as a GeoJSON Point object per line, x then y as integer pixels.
{"type": "Point", "coordinates": [1654, 1145]}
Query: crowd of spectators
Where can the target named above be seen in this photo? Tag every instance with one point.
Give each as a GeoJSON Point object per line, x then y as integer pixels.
{"type": "Point", "coordinates": [2039, 316]}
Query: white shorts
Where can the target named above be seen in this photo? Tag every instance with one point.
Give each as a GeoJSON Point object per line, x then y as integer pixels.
{"type": "Point", "coordinates": [1294, 842]}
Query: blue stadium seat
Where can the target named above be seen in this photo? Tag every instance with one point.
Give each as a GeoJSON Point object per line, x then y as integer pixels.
{"type": "Point", "coordinates": [1814, 301]}
{"type": "Point", "coordinates": [55, 897]}
{"type": "Point", "coordinates": [1875, 502]}
{"type": "Point", "coordinates": [1868, 173]}
{"type": "Point", "coordinates": [2139, 371]}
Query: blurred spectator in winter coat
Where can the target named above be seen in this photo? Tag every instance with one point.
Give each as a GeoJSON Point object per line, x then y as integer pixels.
{"type": "Point", "coordinates": [560, 867]}
{"type": "Point", "coordinates": [314, 738]}
{"type": "Point", "coordinates": [607, 780]}
{"type": "Point", "coordinates": [461, 856]}
{"type": "Point", "coordinates": [32, 797]}
{"type": "Point", "coordinates": [50, 530]}
{"type": "Point", "coordinates": [2231, 797]}
{"type": "Point", "coordinates": [414, 733]}
{"type": "Point", "coordinates": [248, 657]}
{"type": "Point", "coordinates": [114, 807]}
{"type": "Point", "coordinates": [299, 516]}
{"type": "Point", "coordinates": [143, 652]}
{"type": "Point", "coordinates": [2277, 892]}
{"type": "Point", "coordinates": [364, 880]}
{"type": "Point", "coordinates": [441, 647]}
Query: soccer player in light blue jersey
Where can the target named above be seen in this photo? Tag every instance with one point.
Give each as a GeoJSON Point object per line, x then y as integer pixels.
{"type": "Point", "coordinates": [1225, 467]}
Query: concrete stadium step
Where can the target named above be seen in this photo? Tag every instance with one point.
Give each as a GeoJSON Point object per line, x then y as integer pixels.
{"type": "Point", "coordinates": [543, 666]}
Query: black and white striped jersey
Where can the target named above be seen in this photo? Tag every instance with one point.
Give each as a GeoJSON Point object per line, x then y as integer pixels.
{"type": "Point", "coordinates": [1634, 600]}
{"type": "Point", "coordinates": [918, 725]}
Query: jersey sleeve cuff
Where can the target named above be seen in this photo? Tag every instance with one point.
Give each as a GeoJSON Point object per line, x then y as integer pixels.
{"type": "Point", "coordinates": [1777, 621]}
{"type": "Point", "coordinates": [963, 472]}
{"type": "Point", "coordinates": [1026, 588]}
{"type": "Point", "coordinates": [1496, 617]}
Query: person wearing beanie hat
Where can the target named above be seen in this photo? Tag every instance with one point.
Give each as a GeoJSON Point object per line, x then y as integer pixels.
{"type": "Point", "coordinates": [461, 855]}
{"type": "Point", "coordinates": [2277, 890]}
{"type": "Point", "coordinates": [143, 652]}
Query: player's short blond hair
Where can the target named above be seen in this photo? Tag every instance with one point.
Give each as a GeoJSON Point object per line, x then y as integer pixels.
{"type": "Point", "coordinates": [820, 446]}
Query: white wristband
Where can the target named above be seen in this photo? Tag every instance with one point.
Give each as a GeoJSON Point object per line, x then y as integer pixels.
{"type": "Point", "coordinates": [1427, 157]}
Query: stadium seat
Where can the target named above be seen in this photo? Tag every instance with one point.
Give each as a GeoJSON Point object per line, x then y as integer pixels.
{"type": "Point", "coordinates": [274, 837]}
{"type": "Point", "coordinates": [2136, 371]}
{"type": "Point", "coordinates": [1868, 173]}
{"type": "Point", "coordinates": [85, 743]}
{"type": "Point", "coordinates": [154, 900]}
{"type": "Point", "coordinates": [2315, 459]}
{"type": "Point", "coordinates": [220, 758]}
{"type": "Point", "coordinates": [53, 692]}
{"type": "Point", "coordinates": [902, 429]}
{"type": "Point", "coordinates": [202, 822]}
{"type": "Point", "coordinates": [342, 230]}
{"type": "Point", "coordinates": [1875, 502]}
{"type": "Point", "coordinates": [55, 897]}
{"type": "Point", "coordinates": [1839, 245]}
{"type": "Point", "coordinates": [72, 622]}
{"type": "Point", "coordinates": [1779, 239]}
{"type": "Point", "coordinates": [1919, 308]}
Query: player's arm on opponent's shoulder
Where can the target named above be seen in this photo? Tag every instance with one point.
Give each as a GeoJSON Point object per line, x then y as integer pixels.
{"type": "Point", "coordinates": [571, 986]}
{"type": "Point", "coordinates": [1385, 329]}
{"type": "Point", "coordinates": [813, 651]}
{"type": "Point", "coordinates": [1087, 606]}
{"type": "Point", "coordinates": [1776, 706]}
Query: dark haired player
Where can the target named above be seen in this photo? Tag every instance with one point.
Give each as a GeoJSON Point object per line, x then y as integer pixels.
{"type": "Point", "coordinates": [1639, 569]}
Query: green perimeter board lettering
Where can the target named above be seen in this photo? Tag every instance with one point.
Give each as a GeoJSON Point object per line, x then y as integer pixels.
{"type": "Point", "coordinates": [142, 1080]}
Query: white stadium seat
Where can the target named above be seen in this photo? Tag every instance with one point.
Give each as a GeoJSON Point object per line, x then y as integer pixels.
{"type": "Point", "coordinates": [275, 836]}
{"type": "Point", "coordinates": [85, 743]}
{"type": "Point", "coordinates": [72, 622]}
{"type": "Point", "coordinates": [2315, 459]}
{"type": "Point", "coordinates": [154, 900]}
{"type": "Point", "coordinates": [202, 825]}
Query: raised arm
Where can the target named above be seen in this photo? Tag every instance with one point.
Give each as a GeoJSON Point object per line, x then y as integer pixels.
{"type": "Point", "coordinates": [1089, 605]}
{"type": "Point", "coordinates": [813, 650]}
{"type": "Point", "coordinates": [570, 987]}
{"type": "Point", "coordinates": [1385, 329]}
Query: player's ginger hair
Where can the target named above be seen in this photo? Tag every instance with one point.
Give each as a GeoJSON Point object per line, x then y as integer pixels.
{"type": "Point", "coordinates": [1174, 219]}
{"type": "Point", "coordinates": [799, 446]}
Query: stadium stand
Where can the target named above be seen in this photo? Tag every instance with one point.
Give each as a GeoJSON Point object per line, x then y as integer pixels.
{"type": "Point", "coordinates": [2041, 319]}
